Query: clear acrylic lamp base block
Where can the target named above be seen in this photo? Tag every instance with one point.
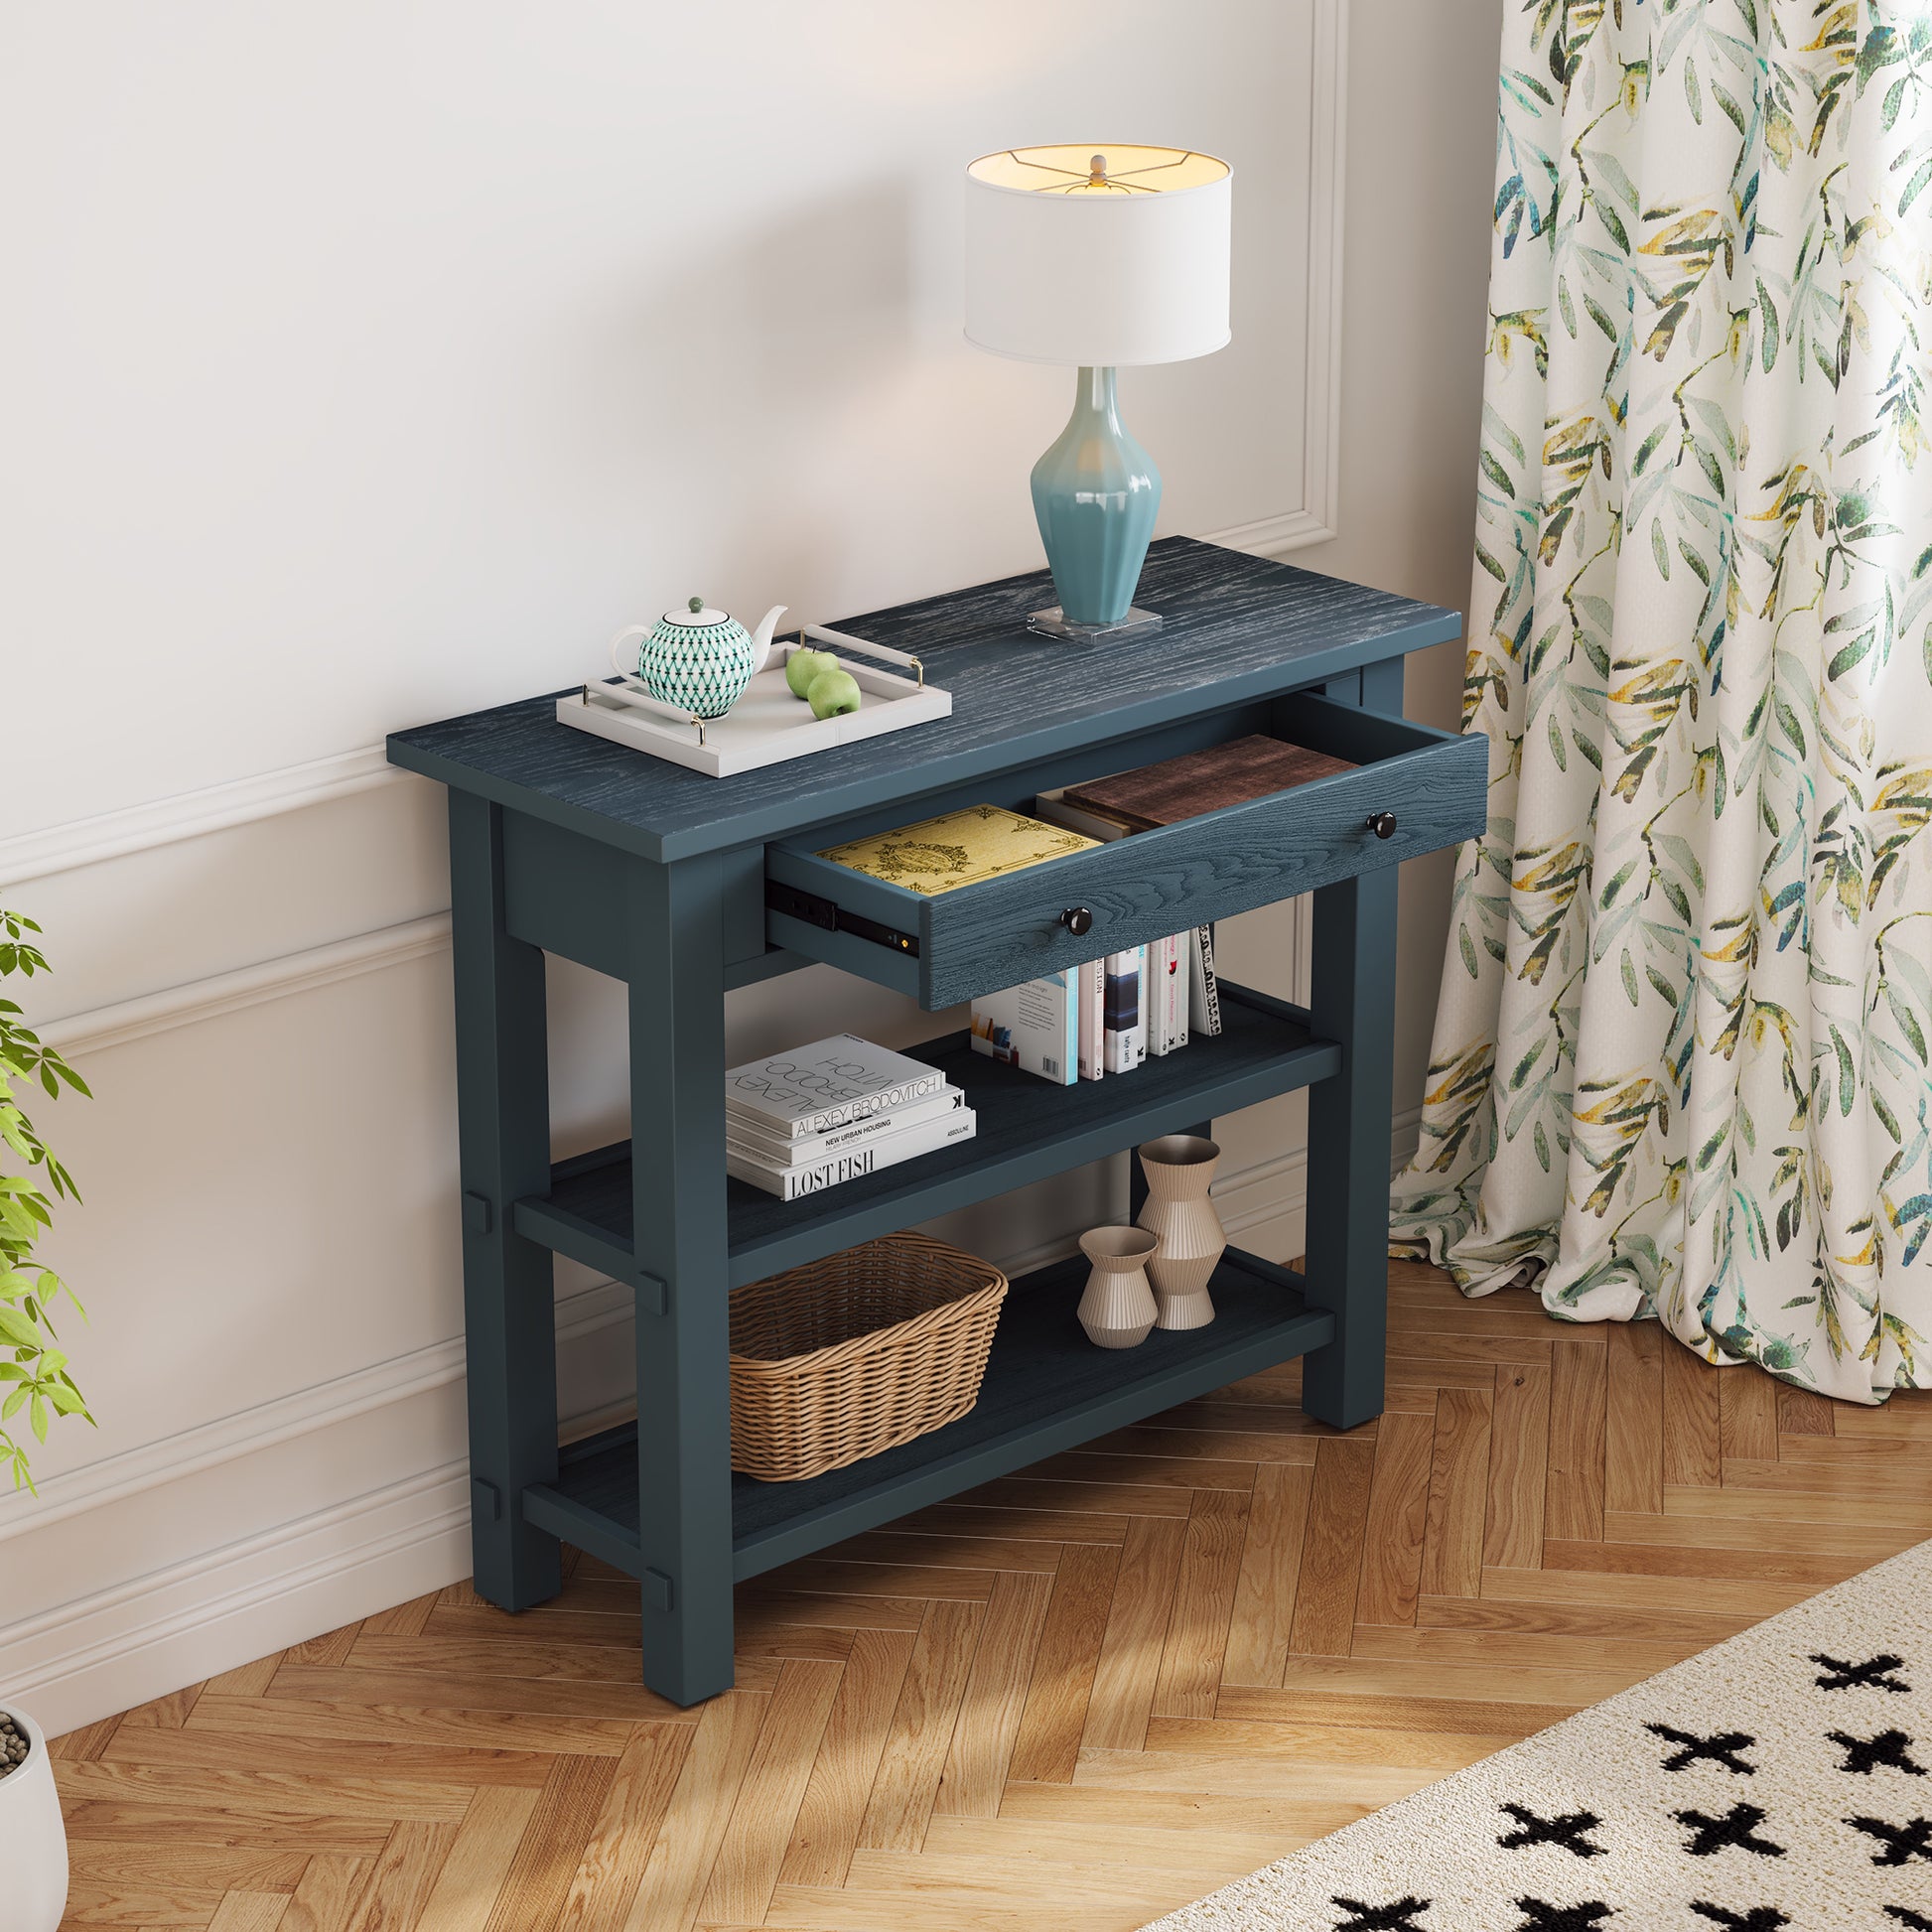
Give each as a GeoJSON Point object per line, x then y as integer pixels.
{"type": "Point", "coordinates": [1054, 623]}
{"type": "Point", "coordinates": [1096, 494]}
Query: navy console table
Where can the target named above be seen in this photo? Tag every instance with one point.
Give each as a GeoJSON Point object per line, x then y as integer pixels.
{"type": "Point", "coordinates": [684, 886]}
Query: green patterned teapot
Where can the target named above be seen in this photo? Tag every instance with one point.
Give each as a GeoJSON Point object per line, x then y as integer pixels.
{"type": "Point", "coordinates": [697, 658]}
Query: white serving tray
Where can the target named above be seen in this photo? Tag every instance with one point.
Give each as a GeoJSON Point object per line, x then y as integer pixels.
{"type": "Point", "coordinates": [767, 725]}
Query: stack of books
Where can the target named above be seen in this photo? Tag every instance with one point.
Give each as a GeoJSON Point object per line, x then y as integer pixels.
{"type": "Point", "coordinates": [1109, 1016]}
{"type": "Point", "coordinates": [804, 1121]}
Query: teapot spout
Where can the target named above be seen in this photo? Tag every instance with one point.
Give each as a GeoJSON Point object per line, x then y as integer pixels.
{"type": "Point", "coordinates": [761, 638]}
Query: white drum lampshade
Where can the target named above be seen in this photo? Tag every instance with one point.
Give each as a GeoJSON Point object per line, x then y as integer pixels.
{"type": "Point", "coordinates": [1096, 256]}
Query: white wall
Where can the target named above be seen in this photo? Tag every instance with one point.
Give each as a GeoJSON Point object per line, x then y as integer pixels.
{"type": "Point", "coordinates": [372, 365]}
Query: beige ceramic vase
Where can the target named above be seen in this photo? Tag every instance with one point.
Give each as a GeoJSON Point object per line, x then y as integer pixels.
{"type": "Point", "coordinates": [1180, 1170]}
{"type": "Point", "coordinates": [1118, 1309]}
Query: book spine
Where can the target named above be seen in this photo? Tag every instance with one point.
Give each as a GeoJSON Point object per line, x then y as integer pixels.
{"type": "Point", "coordinates": [1092, 983]}
{"type": "Point", "coordinates": [793, 1183]}
{"type": "Point", "coordinates": [1174, 992]}
{"type": "Point", "coordinates": [1072, 980]}
{"type": "Point", "coordinates": [1206, 990]}
{"type": "Point", "coordinates": [1124, 1022]}
{"type": "Point", "coordinates": [1154, 1003]}
{"type": "Point", "coordinates": [1132, 1015]}
{"type": "Point", "coordinates": [1169, 988]}
{"type": "Point", "coordinates": [1178, 945]}
{"type": "Point", "coordinates": [822, 1147]}
{"type": "Point", "coordinates": [806, 1125]}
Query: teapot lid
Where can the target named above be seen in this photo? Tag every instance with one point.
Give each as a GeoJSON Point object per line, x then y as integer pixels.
{"type": "Point", "coordinates": [697, 612]}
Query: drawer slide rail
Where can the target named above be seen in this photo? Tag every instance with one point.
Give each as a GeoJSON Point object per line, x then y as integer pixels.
{"type": "Point", "coordinates": [821, 913]}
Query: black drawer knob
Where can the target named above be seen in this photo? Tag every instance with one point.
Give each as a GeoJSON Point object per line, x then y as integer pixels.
{"type": "Point", "coordinates": [1382, 824]}
{"type": "Point", "coordinates": [1077, 921]}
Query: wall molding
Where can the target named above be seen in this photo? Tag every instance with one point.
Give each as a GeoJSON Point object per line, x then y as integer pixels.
{"type": "Point", "coordinates": [249, 1431]}
{"type": "Point", "coordinates": [1318, 516]}
{"type": "Point", "coordinates": [208, 997]}
{"type": "Point", "coordinates": [194, 814]}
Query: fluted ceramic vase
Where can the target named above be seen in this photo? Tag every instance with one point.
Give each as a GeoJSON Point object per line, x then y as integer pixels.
{"type": "Point", "coordinates": [1180, 1170]}
{"type": "Point", "coordinates": [1117, 1309]}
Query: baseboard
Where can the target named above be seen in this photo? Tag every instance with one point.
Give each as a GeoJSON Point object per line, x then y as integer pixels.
{"type": "Point", "coordinates": [142, 1639]}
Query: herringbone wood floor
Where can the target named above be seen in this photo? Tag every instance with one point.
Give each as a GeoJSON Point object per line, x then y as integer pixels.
{"type": "Point", "coordinates": [1074, 1697]}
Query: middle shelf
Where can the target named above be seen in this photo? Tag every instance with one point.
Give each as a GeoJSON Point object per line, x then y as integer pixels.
{"type": "Point", "coordinates": [1027, 1130]}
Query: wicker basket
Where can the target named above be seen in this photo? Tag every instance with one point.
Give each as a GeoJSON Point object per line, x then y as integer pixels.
{"type": "Point", "coordinates": [857, 1353]}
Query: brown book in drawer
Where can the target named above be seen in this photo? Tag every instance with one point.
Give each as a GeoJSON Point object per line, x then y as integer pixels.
{"type": "Point", "coordinates": [1204, 781]}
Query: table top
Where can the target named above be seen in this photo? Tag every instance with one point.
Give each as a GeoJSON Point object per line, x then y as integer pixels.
{"type": "Point", "coordinates": [1235, 629]}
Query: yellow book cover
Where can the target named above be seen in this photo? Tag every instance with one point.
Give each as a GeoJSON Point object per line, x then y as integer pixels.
{"type": "Point", "coordinates": [958, 849]}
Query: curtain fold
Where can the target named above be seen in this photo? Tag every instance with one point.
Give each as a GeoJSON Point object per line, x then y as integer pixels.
{"type": "Point", "coordinates": [1680, 1065]}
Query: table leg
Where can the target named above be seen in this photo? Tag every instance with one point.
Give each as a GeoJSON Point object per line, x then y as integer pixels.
{"type": "Point", "coordinates": [504, 1142]}
{"type": "Point", "coordinates": [682, 1257]}
{"type": "Point", "coordinates": [1352, 1001]}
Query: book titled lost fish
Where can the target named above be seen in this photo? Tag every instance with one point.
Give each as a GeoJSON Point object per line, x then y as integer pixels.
{"type": "Point", "coordinates": [791, 1183]}
{"type": "Point", "coordinates": [965, 848]}
{"type": "Point", "coordinates": [813, 1089]}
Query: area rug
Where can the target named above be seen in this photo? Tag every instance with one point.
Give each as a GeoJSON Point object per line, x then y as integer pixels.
{"type": "Point", "coordinates": [1781, 1779]}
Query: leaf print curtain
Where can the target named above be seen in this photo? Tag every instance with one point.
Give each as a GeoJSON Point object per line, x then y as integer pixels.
{"type": "Point", "coordinates": [1680, 1063]}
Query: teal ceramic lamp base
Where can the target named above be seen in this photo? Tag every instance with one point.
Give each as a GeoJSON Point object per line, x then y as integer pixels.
{"type": "Point", "coordinates": [1096, 494]}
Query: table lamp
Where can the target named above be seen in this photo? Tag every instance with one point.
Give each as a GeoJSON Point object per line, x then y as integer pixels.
{"type": "Point", "coordinates": [1095, 256]}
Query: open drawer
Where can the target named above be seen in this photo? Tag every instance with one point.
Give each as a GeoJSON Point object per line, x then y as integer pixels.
{"type": "Point", "coordinates": [950, 946]}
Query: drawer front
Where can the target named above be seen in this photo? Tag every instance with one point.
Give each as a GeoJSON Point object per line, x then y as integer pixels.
{"type": "Point", "coordinates": [952, 946]}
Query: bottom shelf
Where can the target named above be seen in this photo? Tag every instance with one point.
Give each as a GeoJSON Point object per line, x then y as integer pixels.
{"type": "Point", "coordinates": [1046, 1389]}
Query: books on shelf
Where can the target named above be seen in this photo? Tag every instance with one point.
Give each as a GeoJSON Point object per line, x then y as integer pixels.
{"type": "Point", "coordinates": [1034, 1026]}
{"type": "Point", "coordinates": [964, 848]}
{"type": "Point", "coordinates": [811, 1089]}
{"type": "Point", "coordinates": [755, 1142]}
{"type": "Point", "coordinates": [803, 1121]}
{"type": "Point", "coordinates": [1125, 1033]}
{"type": "Point", "coordinates": [1167, 995]}
{"type": "Point", "coordinates": [1092, 985]}
{"type": "Point", "coordinates": [1204, 990]}
{"type": "Point", "coordinates": [791, 1180]}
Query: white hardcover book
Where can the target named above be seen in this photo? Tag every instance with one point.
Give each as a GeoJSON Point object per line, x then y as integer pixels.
{"type": "Point", "coordinates": [1054, 810]}
{"type": "Point", "coordinates": [1177, 948]}
{"type": "Point", "coordinates": [775, 1153]}
{"type": "Point", "coordinates": [1126, 1013]}
{"type": "Point", "coordinates": [1204, 990]}
{"type": "Point", "coordinates": [813, 1089]}
{"type": "Point", "coordinates": [792, 1183]}
{"type": "Point", "coordinates": [1154, 999]}
{"type": "Point", "coordinates": [1034, 1026]}
{"type": "Point", "coordinates": [1093, 1018]}
{"type": "Point", "coordinates": [1164, 1031]}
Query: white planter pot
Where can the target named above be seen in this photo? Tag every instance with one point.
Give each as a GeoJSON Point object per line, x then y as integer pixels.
{"type": "Point", "coordinates": [32, 1841]}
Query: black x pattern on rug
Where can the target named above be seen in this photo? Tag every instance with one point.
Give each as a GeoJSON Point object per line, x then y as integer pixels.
{"type": "Point", "coordinates": [1399, 1917]}
{"type": "Point", "coordinates": [1906, 1843]}
{"type": "Point", "coordinates": [1567, 1831]}
{"type": "Point", "coordinates": [1875, 1673]}
{"type": "Point", "coordinates": [1736, 1828]}
{"type": "Point", "coordinates": [1720, 1749]}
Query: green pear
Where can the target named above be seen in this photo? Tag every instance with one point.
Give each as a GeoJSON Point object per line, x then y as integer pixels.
{"type": "Point", "coordinates": [834, 693]}
{"type": "Point", "coordinates": [802, 666]}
